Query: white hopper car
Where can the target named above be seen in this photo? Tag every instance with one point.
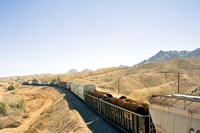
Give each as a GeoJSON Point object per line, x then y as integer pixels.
{"type": "Point", "coordinates": [175, 113]}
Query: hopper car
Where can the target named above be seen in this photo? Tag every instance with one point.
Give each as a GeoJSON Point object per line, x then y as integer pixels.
{"type": "Point", "coordinates": [176, 113]}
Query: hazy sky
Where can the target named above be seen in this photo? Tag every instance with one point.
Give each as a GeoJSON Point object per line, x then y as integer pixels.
{"type": "Point", "coordinates": [53, 36]}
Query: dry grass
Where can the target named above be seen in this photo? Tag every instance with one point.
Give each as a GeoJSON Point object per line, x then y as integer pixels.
{"type": "Point", "coordinates": [58, 118]}
{"type": "Point", "coordinates": [144, 95]}
{"type": "Point", "coordinates": [10, 122]}
{"type": "Point", "coordinates": [29, 109]}
{"type": "Point", "coordinates": [13, 105]}
{"type": "Point", "coordinates": [11, 110]}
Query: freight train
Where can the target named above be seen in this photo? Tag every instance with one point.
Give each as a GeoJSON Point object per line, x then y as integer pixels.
{"type": "Point", "coordinates": [176, 113]}
{"type": "Point", "coordinates": [129, 115]}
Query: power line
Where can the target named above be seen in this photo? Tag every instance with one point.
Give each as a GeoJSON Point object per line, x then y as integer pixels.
{"type": "Point", "coordinates": [178, 79]}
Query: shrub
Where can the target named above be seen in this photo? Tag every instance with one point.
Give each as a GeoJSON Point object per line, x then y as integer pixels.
{"type": "Point", "coordinates": [11, 88]}
{"type": "Point", "coordinates": [9, 122]}
{"type": "Point", "coordinates": [3, 108]}
{"type": "Point", "coordinates": [1, 125]}
{"type": "Point", "coordinates": [25, 115]}
{"type": "Point", "coordinates": [14, 124]}
{"type": "Point", "coordinates": [20, 105]}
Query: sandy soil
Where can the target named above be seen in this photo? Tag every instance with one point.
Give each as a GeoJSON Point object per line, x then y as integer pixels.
{"type": "Point", "coordinates": [46, 111]}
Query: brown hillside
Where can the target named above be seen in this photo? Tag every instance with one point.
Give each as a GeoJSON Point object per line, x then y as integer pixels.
{"type": "Point", "coordinates": [153, 78]}
{"type": "Point", "coordinates": [141, 82]}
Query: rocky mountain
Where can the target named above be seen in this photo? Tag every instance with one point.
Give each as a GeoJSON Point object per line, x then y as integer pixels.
{"type": "Point", "coordinates": [194, 53]}
{"type": "Point", "coordinates": [162, 56]}
{"type": "Point", "coordinates": [72, 71]}
{"type": "Point", "coordinates": [86, 70]}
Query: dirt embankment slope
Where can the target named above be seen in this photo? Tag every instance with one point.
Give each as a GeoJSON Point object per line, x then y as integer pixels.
{"type": "Point", "coordinates": [43, 110]}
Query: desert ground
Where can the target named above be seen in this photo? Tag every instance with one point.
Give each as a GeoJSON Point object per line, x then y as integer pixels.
{"type": "Point", "coordinates": [30, 109]}
{"type": "Point", "coordinates": [43, 109]}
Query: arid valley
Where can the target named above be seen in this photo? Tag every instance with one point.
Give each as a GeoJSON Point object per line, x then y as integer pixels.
{"type": "Point", "coordinates": [45, 109]}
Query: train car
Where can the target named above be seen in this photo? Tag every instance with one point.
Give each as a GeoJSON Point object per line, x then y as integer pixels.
{"type": "Point", "coordinates": [126, 119]}
{"type": "Point", "coordinates": [62, 84]}
{"type": "Point", "coordinates": [176, 113]}
{"type": "Point", "coordinates": [69, 85]}
{"type": "Point", "coordinates": [81, 89]}
{"type": "Point", "coordinates": [55, 83]}
{"type": "Point", "coordinates": [74, 87]}
{"type": "Point", "coordinates": [92, 101]}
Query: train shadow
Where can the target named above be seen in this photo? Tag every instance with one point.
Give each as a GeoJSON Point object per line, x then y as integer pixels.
{"type": "Point", "coordinates": [92, 119]}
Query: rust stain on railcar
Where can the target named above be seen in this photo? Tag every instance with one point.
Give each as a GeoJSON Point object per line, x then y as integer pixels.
{"type": "Point", "coordinates": [128, 115]}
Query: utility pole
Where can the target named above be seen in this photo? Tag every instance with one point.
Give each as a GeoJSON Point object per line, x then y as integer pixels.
{"type": "Point", "coordinates": [45, 79]}
{"type": "Point", "coordinates": [178, 82]}
{"type": "Point", "coordinates": [178, 78]}
{"type": "Point", "coordinates": [118, 85]}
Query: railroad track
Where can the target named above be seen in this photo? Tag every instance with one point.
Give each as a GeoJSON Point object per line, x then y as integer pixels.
{"type": "Point", "coordinates": [95, 122]}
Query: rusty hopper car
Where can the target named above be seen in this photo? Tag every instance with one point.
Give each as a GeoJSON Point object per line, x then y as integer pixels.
{"type": "Point", "coordinates": [176, 113]}
{"type": "Point", "coordinates": [128, 120]}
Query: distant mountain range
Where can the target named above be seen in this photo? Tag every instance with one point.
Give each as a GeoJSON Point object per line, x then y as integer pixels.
{"type": "Point", "coordinates": [162, 56]}
{"type": "Point", "coordinates": [72, 71]}
{"type": "Point", "coordinates": [86, 70]}
{"type": "Point", "coordinates": [123, 66]}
